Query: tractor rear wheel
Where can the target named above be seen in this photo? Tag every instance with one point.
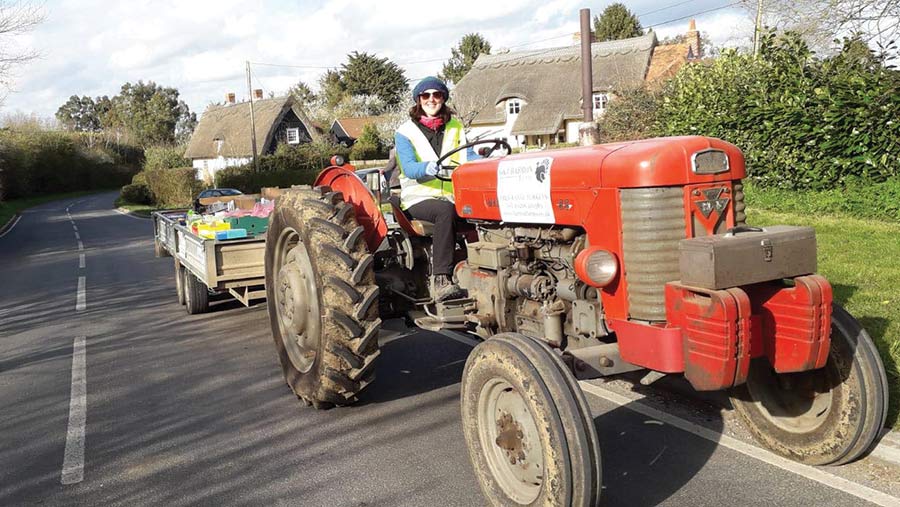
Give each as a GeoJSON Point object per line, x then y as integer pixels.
{"type": "Point", "coordinates": [828, 416]}
{"type": "Point", "coordinates": [323, 301]}
{"type": "Point", "coordinates": [529, 430]}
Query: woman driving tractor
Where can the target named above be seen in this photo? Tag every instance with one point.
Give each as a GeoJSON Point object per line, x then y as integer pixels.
{"type": "Point", "coordinates": [432, 132]}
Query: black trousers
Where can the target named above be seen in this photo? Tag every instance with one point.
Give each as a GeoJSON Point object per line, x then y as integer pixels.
{"type": "Point", "coordinates": [443, 215]}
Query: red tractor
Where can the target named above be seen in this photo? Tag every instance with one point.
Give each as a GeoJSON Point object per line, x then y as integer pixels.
{"type": "Point", "coordinates": [578, 263]}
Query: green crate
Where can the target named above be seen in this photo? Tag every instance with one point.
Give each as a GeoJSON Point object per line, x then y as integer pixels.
{"type": "Point", "coordinates": [253, 225]}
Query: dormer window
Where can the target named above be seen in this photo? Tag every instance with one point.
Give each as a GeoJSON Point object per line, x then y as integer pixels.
{"type": "Point", "coordinates": [219, 143]}
{"type": "Point", "coordinates": [600, 102]}
{"type": "Point", "coordinates": [513, 106]}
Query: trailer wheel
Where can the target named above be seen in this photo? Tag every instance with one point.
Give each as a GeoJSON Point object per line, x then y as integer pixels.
{"type": "Point", "coordinates": [828, 416]}
{"type": "Point", "coordinates": [179, 282]}
{"type": "Point", "coordinates": [322, 297]}
{"type": "Point", "coordinates": [530, 433]}
{"type": "Point", "coordinates": [196, 295]}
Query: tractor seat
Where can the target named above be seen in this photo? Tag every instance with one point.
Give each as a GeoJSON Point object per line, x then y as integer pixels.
{"type": "Point", "coordinates": [412, 226]}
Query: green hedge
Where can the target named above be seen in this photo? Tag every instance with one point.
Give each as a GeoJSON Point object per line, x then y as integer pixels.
{"type": "Point", "coordinates": [289, 165]}
{"type": "Point", "coordinates": [803, 122]}
{"type": "Point", "coordinates": [165, 157]}
{"type": "Point", "coordinates": [856, 199]}
{"type": "Point", "coordinates": [137, 193]}
{"type": "Point", "coordinates": [37, 162]}
{"type": "Point", "coordinates": [170, 188]}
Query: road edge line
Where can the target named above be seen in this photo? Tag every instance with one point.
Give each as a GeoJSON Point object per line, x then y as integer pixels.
{"type": "Point", "coordinates": [806, 471]}
{"type": "Point", "coordinates": [8, 226]}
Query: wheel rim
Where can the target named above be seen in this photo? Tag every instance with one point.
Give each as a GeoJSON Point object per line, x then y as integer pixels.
{"type": "Point", "coordinates": [511, 441]}
{"type": "Point", "coordinates": [297, 301]}
{"type": "Point", "coordinates": [795, 402]}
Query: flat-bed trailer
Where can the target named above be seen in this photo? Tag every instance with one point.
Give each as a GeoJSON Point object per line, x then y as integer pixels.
{"type": "Point", "coordinates": [206, 265]}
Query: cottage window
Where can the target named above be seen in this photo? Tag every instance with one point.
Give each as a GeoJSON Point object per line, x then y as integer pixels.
{"type": "Point", "coordinates": [600, 102]}
{"type": "Point", "coordinates": [514, 106]}
{"type": "Point", "coordinates": [219, 144]}
{"type": "Point", "coordinates": [293, 135]}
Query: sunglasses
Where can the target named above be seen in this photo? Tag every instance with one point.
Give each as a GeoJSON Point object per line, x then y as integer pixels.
{"type": "Point", "coordinates": [428, 95]}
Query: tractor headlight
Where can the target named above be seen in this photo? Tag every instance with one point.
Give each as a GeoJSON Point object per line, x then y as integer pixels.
{"type": "Point", "coordinates": [596, 267]}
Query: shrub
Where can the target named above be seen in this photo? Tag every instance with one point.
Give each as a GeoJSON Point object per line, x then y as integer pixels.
{"type": "Point", "coordinates": [172, 188]}
{"type": "Point", "coordinates": [289, 165]}
{"type": "Point", "coordinates": [39, 162]}
{"type": "Point", "coordinates": [632, 115]}
{"type": "Point", "coordinates": [369, 145]}
{"type": "Point", "coordinates": [137, 194]}
{"type": "Point", "coordinates": [803, 123]}
{"type": "Point", "coordinates": [165, 157]}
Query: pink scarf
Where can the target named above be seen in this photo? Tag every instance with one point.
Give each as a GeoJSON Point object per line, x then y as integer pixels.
{"type": "Point", "coordinates": [432, 123]}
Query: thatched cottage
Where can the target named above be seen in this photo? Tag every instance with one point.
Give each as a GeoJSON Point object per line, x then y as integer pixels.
{"type": "Point", "coordinates": [533, 97]}
{"type": "Point", "coordinates": [222, 138]}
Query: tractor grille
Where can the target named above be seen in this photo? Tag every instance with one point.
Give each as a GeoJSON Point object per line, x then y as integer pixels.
{"type": "Point", "coordinates": [740, 215]}
{"type": "Point", "coordinates": [653, 223]}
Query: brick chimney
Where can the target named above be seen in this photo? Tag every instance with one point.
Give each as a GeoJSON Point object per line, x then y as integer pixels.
{"type": "Point", "coordinates": [229, 99]}
{"type": "Point", "coordinates": [257, 94]}
{"type": "Point", "coordinates": [692, 37]}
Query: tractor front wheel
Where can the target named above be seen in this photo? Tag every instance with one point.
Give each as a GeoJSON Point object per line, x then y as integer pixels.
{"type": "Point", "coordinates": [322, 297]}
{"type": "Point", "coordinates": [827, 416]}
{"type": "Point", "coordinates": [529, 430]}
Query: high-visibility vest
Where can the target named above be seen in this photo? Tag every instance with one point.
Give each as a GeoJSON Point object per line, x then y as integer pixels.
{"type": "Point", "coordinates": [413, 191]}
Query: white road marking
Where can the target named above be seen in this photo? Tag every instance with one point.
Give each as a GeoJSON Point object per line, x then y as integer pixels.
{"type": "Point", "coordinates": [812, 473]}
{"type": "Point", "coordinates": [74, 227]}
{"type": "Point", "coordinates": [129, 215]}
{"type": "Point", "coordinates": [464, 338]}
{"type": "Point", "coordinates": [73, 459]}
{"type": "Point", "coordinates": [77, 236]}
{"type": "Point", "coordinates": [80, 245]}
{"type": "Point", "coordinates": [81, 297]}
{"type": "Point", "coordinates": [81, 261]}
{"type": "Point", "coordinates": [16, 221]}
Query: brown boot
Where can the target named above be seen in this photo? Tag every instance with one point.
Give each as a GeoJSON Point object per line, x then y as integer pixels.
{"type": "Point", "coordinates": [443, 288]}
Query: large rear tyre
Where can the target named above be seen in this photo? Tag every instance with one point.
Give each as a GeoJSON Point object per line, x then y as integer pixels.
{"type": "Point", "coordinates": [322, 297]}
{"type": "Point", "coordinates": [530, 434]}
{"type": "Point", "coordinates": [196, 295]}
{"type": "Point", "coordinates": [828, 416]}
{"type": "Point", "coordinates": [179, 282]}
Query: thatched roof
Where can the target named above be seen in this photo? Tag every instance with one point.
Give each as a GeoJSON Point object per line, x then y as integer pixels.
{"type": "Point", "coordinates": [549, 81]}
{"type": "Point", "coordinates": [231, 125]}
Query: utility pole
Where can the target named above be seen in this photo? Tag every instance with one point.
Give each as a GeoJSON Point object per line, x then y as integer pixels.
{"type": "Point", "coordinates": [588, 134]}
{"type": "Point", "coordinates": [757, 29]}
{"type": "Point", "coordinates": [252, 120]}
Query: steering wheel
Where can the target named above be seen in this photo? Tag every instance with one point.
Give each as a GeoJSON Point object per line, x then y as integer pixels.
{"type": "Point", "coordinates": [495, 142]}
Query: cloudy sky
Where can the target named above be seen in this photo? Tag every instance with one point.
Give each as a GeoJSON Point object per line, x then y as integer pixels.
{"type": "Point", "coordinates": [92, 47]}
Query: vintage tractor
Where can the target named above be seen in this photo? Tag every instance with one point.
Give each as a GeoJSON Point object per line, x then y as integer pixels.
{"type": "Point", "coordinates": [578, 263]}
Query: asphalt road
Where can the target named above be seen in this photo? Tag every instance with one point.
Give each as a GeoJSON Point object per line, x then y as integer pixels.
{"type": "Point", "coordinates": [192, 410]}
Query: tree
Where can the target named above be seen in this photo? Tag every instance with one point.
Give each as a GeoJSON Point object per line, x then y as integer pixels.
{"type": "Point", "coordinates": [151, 114]}
{"type": "Point", "coordinates": [616, 22]}
{"type": "Point", "coordinates": [366, 74]}
{"type": "Point", "coordinates": [463, 56]}
{"type": "Point", "coordinates": [332, 89]}
{"type": "Point", "coordinates": [79, 114]}
{"type": "Point", "coordinates": [821, 23]}
{"type": "Point", "coordinates": [16, 18]}
{"type": "Point", "coordinates": [302, 93]}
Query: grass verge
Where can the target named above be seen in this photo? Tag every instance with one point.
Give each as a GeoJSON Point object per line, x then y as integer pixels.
{"type": "Point", "coordinates": [141, 210]}
{"type": "Point", "coordinates": [860, 259]}
{"type": "Point", "coordinates": [8, 209]}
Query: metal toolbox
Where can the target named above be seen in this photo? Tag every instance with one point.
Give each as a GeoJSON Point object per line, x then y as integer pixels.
{"type": "Point", "coordinates": [747, 255]}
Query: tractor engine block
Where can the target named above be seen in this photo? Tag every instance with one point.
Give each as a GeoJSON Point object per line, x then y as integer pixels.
{"type": "Point", "coordinates": [523, 279]}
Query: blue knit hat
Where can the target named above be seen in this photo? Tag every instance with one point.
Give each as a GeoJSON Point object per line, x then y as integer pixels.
{"type": "Point", "coordinates": [430, 83]}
